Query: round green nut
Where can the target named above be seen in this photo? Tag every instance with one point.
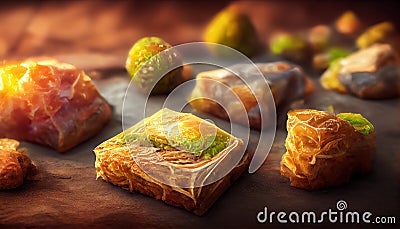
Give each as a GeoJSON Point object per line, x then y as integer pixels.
{"type": "Point", "coordinates": [234, 29]}
{"type": "Point", "coordinates": [292, 47]}
{"type": "Point", "coordinates": [148, 60]}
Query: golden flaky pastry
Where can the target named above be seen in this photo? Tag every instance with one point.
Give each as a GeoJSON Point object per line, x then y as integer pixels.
{"type": "Point", "coordinates": [15, 166]}
{"type": "Point", "coordinates": [49, 102]}
{"type": "Point", "coordinates": [162, 157]}
{"type": "Point", "coordinates": [325, 150]}
{"type": "Point", "coordinates": [223, 94]}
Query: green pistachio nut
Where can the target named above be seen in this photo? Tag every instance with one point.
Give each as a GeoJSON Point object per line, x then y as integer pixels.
{"type": "Point", "coordinates": [336, 53]}
{"type": "Point", "coordinates": [234, 29]}
{"type": "Point", "coordinates": [291, 47]}
{"type": "Point", "coordinates": [360, 123]}
{"type": "Point", "coordinates": [148, 60]}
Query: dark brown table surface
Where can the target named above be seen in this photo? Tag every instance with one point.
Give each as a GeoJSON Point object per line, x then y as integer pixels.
{"type": "Point", "coordinates": [96, 35]}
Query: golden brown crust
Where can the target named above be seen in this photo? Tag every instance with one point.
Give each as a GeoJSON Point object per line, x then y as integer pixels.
{"type": "Point", "coordinates": [14, 165]}
{"type": "Point", "coordinates": [11, 175]}
{"type": "Point", "coordinates": [51, 103]}
{"type": "Point", "coordinates": [176, 177]}
{"type": "Point", "coordinates": [213, 91]}
{"type": "Point", "coordinates": [370, 73]}
{"type": "Point", "coordinates": [324, 150]}
{"type": "Point", "coordinates": [118, 167]}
